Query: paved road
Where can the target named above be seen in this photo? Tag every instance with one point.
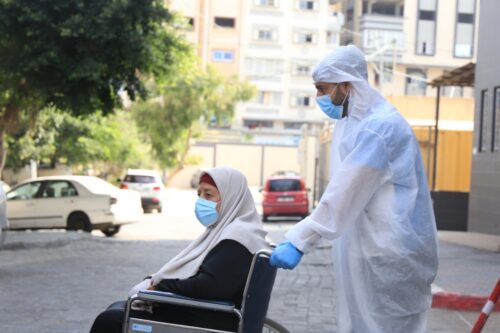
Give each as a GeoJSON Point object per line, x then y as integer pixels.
{"type": "Point", "coordinates": [59, 282]}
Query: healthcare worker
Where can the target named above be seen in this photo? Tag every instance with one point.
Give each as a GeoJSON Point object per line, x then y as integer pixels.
{"type": "Point", "coordinates": [376, 207]}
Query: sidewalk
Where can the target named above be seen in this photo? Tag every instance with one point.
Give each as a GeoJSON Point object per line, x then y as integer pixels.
{"type": "Point", "coordinates": [44, 273]}
{"type": "Point", "coordinates": [469, 268]}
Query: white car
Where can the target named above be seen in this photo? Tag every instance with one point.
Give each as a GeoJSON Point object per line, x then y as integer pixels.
{"type": "Point", "coordinates": [72, 202]}
{"type": "Point", "coordinates": [4, 222]}
{"type": "Point", "coordinates": [149, 184]}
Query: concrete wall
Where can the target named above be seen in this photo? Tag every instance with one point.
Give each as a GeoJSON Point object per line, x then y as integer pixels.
{"type": "Point", "coordinates": [484, 202]}
{"type": "Point", "coordinates": [257, 162]}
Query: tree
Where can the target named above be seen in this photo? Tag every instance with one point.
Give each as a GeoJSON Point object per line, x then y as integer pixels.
{"type": "Point", "coordinates": [77, 55]}
{"type": "Point", "coordinates": [58, 137]}
{"type": "Point", "coordinates": [172, 118]}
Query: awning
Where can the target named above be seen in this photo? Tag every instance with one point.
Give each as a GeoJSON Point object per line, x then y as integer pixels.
{"type": "Point", "coordinates": [461, 76]}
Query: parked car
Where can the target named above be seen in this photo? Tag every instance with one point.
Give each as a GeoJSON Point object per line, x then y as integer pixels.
{"type": "Point", "coordinates": [150, 186]}
{"type": "Point", "coordinates": [284, 195]}
{"type": "Point", "coordinates": [4, 222]}
{"type": "Point", "coordinates": [72, 202]}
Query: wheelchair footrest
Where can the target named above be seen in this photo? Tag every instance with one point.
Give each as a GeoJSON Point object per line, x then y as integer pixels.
{"type": "Point", "coordinates": [145, 326]}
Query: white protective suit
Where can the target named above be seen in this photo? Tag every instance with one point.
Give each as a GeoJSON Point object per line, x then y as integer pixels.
{"type": "Point", "coordinates": [377, 209]}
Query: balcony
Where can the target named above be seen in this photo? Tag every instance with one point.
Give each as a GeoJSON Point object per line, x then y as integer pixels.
{"type": "Point", "coordinates": [379, 32]}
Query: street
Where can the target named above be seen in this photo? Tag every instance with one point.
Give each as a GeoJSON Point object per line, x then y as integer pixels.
{"type": "Point", "coordinates": [62, 282]}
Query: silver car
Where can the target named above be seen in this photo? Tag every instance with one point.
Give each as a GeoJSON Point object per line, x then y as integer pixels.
{"type": "Point", "coordinates": [149, 184]}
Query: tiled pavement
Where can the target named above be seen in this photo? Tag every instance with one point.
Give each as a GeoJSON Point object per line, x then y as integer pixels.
{"type": "Point", "coordinates": [58, 282]}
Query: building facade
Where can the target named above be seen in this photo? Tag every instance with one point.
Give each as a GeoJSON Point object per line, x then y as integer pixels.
{"type": "Point", "coordinates": [271, 43]}
{"type": "Point", "coordinates": [408, 43]}
{"type": "Point", "coordinates": [484, 199]}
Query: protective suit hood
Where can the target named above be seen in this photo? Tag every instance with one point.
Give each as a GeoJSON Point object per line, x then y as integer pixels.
{"type": "Point", "coordinates": [348, 64]}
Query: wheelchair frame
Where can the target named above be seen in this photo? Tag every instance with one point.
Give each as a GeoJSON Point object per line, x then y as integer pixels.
{"type": "Point", "coordinates": [259, 261]}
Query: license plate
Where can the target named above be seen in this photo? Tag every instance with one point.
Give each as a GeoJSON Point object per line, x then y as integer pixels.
{"type": "Point", "coordinates": [285, 199]}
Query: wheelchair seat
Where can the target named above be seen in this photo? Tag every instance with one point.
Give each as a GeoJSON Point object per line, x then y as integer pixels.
{"type": "Point", "coordinates": [250, 317]}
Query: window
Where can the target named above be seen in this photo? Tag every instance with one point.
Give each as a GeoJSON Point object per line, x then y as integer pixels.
{"type": "Point", "coordinates": [304, 37]}
{"type": "Point", "coordinates": [266, 3]}
{"type": "Point", "coordinates": [384, 9]}
{"type": "Point", "coordinates": [253, 124]}
{"type": "Point", "coordinates": [272, 68]}
{"type": "Point", "coordinates": [265, 34]}
{"type": "Point", "coordinates": [24, 192]}
{"type": "Point", "coordinates": [292, 125]}
{"type": "Point", "coordinates": [284, 185]}
{"type": "Point", "coordinates": [224, 22]}
{"type": "Point", "coordinates": [307, 5]}
{"type": "Point", "coordinates": [222, 56]}
{"type": "Point", "coordinates": [332, 38]}
{"type": "Point", "coordinates": [58, 189]}
{"type": "Point", "coordinates": [301, 70]}
{"type": "Point", "coordinates": [496, 121]}
{"type": "Point", "coordinates": [426, 27]}
{"type": "Point", "coordinates": [416, 82]}
{"type": "Point", "coordinates": [483, 124]}
{"type": "Point", "coordinates": [301, 100]}
{"type": "Point", "coordinates": [464, 30]}
{"type": "Point", "coordinates": [139, 179]}
{"type": "Point", "coordinates": [268, 98]}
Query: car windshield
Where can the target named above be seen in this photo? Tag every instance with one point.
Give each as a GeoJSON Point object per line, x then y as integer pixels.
{"type": "Point", "coordinates": [282, 185]}
{"type": "Point", "coordinates": [139, 179]}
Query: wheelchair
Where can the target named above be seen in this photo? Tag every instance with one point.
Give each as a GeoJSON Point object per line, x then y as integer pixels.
{"type": "Point", "coordinates": [251, 317]}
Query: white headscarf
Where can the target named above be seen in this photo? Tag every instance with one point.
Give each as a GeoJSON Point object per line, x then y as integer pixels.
{"type": "Point", "coordinates": [238, 220]}
{"type": "Point", "coordinates": [348, 64]}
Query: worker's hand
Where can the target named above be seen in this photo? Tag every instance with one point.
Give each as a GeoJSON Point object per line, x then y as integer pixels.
{"type": "Point", "coordinates": [286, 256]}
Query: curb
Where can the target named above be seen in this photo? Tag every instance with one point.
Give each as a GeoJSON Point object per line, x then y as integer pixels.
{"type": "Point", "coordinates": [455, 301]}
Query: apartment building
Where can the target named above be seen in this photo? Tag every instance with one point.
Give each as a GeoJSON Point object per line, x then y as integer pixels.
{"type": "Point", "coordinates": [273, 44]}
{"type": "Point", "coordinates": [215, 31]}
{"type": "Point", "coordinates": [283, 40]}
{"type": "Point", "coordinates": [410, 42]}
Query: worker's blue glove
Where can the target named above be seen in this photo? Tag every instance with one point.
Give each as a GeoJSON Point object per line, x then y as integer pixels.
{"type": "Point", "coordinates": [286, 256]}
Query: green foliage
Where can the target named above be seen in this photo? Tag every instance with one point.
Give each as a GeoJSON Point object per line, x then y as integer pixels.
{"type": "Point", "coordinates": [172, 118]}
{"type": "Point", "coordinates": [58, 137]}
{"type": "Point", "coordinates": [78, 54]}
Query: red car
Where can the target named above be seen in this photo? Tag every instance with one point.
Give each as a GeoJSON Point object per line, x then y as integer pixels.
{"type": "Point", "coordinates": [284, 196]}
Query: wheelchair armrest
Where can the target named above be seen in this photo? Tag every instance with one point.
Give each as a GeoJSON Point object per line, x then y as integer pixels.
{"type": "Point", "coordinates": [171, 298]}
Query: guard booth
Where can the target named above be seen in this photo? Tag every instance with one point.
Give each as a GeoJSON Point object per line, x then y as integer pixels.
{"type": "Point", "coordinates": [450, 207]}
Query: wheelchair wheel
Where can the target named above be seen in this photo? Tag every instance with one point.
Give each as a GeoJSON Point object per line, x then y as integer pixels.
{"type": "Point", "coordinates": [271, 326]}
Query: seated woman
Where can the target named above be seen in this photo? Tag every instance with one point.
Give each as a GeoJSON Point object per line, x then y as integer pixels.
{"type": "Point", "coordinates": [214, 266]}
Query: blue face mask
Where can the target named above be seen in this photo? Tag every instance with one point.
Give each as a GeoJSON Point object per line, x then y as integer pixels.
{"type": "Point", "coordinates": [206, 211]}
{"type": "Point", "coordinates": [331, 110]}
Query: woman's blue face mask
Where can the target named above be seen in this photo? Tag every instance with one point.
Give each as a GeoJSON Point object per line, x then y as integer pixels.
{"type": "Point", "coordinates": [206, 211]}
{"type": "Point", "coordinates": [328, 107]}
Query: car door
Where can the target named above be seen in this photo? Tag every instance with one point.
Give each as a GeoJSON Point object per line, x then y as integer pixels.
{"type": "Point", "coordinates": [57, 200]}
{"type": "Point", "coordinates": [21, 202]}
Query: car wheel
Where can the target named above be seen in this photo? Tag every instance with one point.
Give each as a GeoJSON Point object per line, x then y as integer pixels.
{"type": "Point", "coordinates": [79, 221]}
{"type": "Point", "coordinates": [111, 231]}
{"type": "Point", "coordinates": [265, 218]}
{"type": "Point", "coordinates": [158, 210]}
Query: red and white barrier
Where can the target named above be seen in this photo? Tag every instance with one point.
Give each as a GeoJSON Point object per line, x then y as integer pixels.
{"type": "Point", "coordinates": [487, 309]}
